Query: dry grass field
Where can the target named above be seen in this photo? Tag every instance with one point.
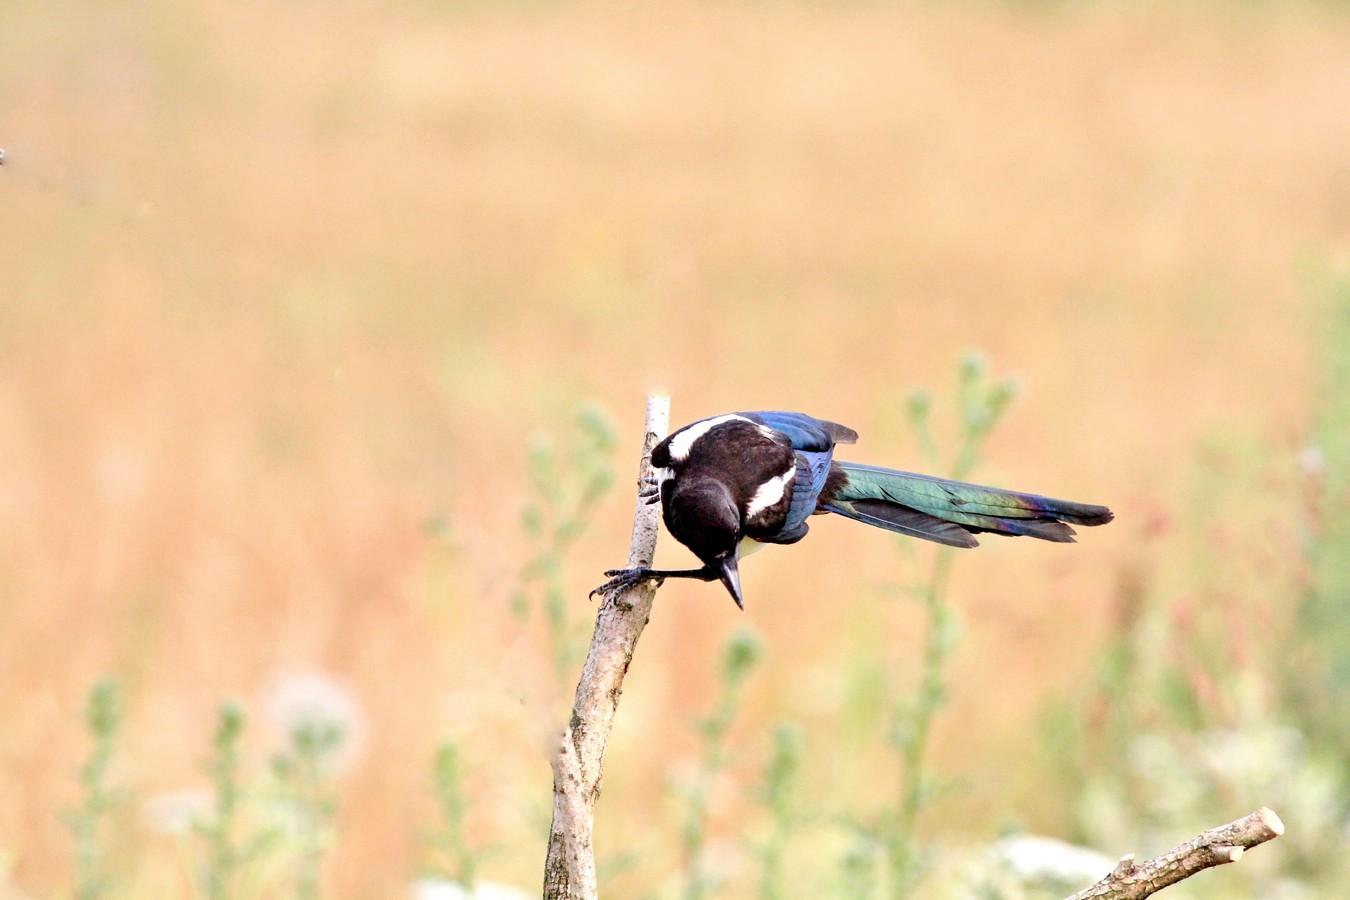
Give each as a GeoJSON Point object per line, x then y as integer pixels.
{"type": "Point", "coordinates": [286, 288]}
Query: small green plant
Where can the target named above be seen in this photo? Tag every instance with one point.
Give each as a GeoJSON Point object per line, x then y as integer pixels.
{"type": "Point", "coordinates": [308, 795]}
{"type": "Point", "coordinates": [452, 856]}
{"type": "Point", "coordinates": [1320, 688]}
{"type": "Point", "coordinates": [565, 489]}
{"type": "Point", "coordinates": [858, 875]}
{"type": "Point", "coordinates": [780, 781]}
{"type": "Point", "coordinates": [229, 852]}
{"type": "Point", "coordinates": [981, 402]}
{"type": "Point", "coordinates": [222, 854]}
{"type": "Point", "coordinates": [103, 718]}
{"type": "Point", "coordinates": [322, 726]}
{"type": "Point", "coordinates": [742, 653]}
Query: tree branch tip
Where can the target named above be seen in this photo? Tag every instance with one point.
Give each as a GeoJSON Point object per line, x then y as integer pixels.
{"type": "Point", "coordinates": [1227, 852]}
{"type": "Point", "coordinates": [1270, 820]}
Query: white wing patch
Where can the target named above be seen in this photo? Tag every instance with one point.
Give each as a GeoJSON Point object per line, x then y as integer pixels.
{"type": "Point", "coordinates": [770, 492]}
{"type": "Point", "coordinates": [682, 443]}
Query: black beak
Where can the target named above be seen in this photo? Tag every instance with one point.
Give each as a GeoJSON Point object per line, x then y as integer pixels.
{"type": "Point", "coordinates": [731, 577]}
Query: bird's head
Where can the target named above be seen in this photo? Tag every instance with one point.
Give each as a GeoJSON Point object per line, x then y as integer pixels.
{"type": "Point", "coordinates": [705, 517]}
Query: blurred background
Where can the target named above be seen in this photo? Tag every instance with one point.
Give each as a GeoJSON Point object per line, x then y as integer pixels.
{"type": "Point", "coordinates": [313, 316]}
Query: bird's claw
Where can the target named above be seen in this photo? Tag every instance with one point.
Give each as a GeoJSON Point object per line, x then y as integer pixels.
{"type": "Point", "coordinates": [622, 579]}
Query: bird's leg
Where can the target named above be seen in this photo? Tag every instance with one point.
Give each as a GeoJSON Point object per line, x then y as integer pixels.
{"type": "Point", "coordinates": [626, 578]}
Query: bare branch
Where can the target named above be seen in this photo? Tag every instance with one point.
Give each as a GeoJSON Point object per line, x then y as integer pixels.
{"type": "Point", "coordinates": [569, 871]}
{"type": "Point", "coordinates": [1225, 844]}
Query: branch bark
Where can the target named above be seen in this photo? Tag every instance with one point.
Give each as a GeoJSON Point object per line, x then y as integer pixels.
{"type": "Point", "coordinates": [569, 870]}
{"type": "Point", "coordinates": [1225, 844]}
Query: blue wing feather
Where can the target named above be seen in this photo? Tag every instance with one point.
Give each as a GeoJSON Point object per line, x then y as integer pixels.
{"type": "Point", "coordinates": [812, 470]}
{"type": "Point", "coordinates": [806, 433]}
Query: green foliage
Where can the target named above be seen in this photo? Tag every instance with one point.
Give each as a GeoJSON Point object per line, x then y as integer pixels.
{"type": "Point", "coordinates": [1324, 695]}
{"type": "Point", "coordinates": [1210, 698]}
{"type": "Point", "coordinates": [88, 821]}
{"type": "Point", "coordinates": [276, 826]}
{"type": "Point", "coordinates": [858, 867]}
{"type": "Point", "coordinates": [230, 851]}
{"type": "Point", "coordinates": [308, 798]}
{"type": "Point", "coordinates": [453, 857]}
{"type": "Point", "coordinates": [742, 653]}
{"type": "Point", "coordinates": [253, 827]}
{"type": "Point", "coordinates": [223, 855]}
{"type": "Point", "coordinates": [781, 774]}
{"type": "Point", "coordinates": [981, 403]}
{"type": "Point", "coordinates": [565, 490]}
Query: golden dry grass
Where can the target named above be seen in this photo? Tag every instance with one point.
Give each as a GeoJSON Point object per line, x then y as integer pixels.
{"type": "Point", "coordinates": [281, 281]}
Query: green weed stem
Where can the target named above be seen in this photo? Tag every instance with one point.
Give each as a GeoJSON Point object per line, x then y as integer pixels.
{"type": "Point", "coordinates": [224, 855]}
{"type": "Point", "coordinates": [565, 493]}
{"type": "Point", "coordinates": [981, 404]}
{"type": "Point", "coordinates": [456, 859]}
{"type": "Point", "coordinates": [780, 779]}
{"type": "Point", "coordinates": [302, 773]}
{"type": "Point", "coordinates": [742, 652]}
{"type": "Point", "coordinates": [103, 717]}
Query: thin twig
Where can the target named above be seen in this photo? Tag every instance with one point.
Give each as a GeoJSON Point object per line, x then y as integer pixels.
{"type": "Point", "coordinates": [1130, 880]}
{"type": "Point", "coordinates": [569, 870]}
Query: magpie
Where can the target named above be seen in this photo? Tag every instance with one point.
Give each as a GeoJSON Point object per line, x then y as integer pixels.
{"type": "Point", "coordinates": [729, 483]}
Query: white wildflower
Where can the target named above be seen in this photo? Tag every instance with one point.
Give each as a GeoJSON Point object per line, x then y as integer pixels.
{"type": "Point", "coordinates": [1034, 859]}
{"type": "Point", "coordinates": [304, 705]}
{"type": "Point", "coordinates": [1037, 858]}
{"type": "Point", "coordinates": [1025, 866]}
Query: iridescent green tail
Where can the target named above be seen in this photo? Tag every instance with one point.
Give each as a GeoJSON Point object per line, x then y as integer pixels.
{"type": "Point", "coordinates": [949, 512]}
